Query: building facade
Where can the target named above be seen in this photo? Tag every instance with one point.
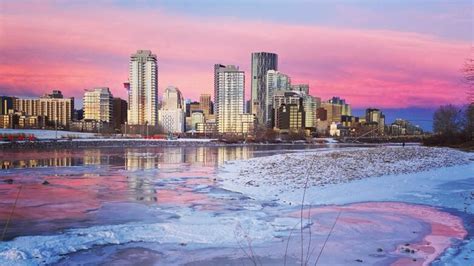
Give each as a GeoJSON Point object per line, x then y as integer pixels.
{"type": "Point", "coordinates": [192, 107]}
{"type": "Point", "coordinates": [172, 112]}
{"type": "Point", "coordinates": [143, 92]}
{"type": "Point", "coordinates": [275, 81]}
{"type": "Point", "coordinates": [284, 97]}
{"type": "Point", "coordinates": [120, 108]}
{"type": "Point", "coordinates": [375, 117]}
{"type": "Point", "coordinates": [290, 117]}
{"type": "Point", "coordinates": [6, 105]}
{"type": "Point", "coordinates": [261, 63]}
{"type": "Point", "coordinates": [229, 99]}
{"type": "Point", "coordinates": [304, 88]}
{"type": "Point", "coordinates": [196, 118]}
{"type": "Point", "coordinates": [345, 107]}
{"type": "Point", "coordinates": [98, 105]}
{"type": "Point", "coordinates": [205, 104]}
{"type": "Point", "coordinates": [333, 112]}
{"type": "Point", "coordinates": [57, 109]}
{"type": "Point", "coordinates": [311, 105]}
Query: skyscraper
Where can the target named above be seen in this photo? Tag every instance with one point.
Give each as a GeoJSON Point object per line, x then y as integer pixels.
{"type": "Point", "coordinates": [172, 99]}
{"type": "Point", "coordinates": [275, 81]}
{"type": "Point", "coordinates": [205, 104]}
{"type": "Point", "coordinates": [217, 67]}
{"type": "Point", "coordinates": [143, 93]}
{"type": "Point", "coordinates": [98, 105]}
{"type": "Point", "coordinates": [345, 107]}
{"type": "Point", "coordinates": [6, 104]}
{"type": "Point", "coordinates": [229, 97]}
{"type": "Point", "coordinates": [171, 114]}
{"type": "Point", "coordinates": [261, 63]}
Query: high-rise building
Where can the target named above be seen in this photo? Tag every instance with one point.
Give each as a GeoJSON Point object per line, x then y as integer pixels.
{"type": "Point", "coordinates": [286, 97]}
{"type": "Point", "coordinates": [336, 108]}
{"type": "Point", "coordinates": [345, 107]}
{"type": "Point", "coordinates": [261, 63]}
{"type": "Point", "coordinates": [375, 117]}
{"type": "Point", "coordinates": [57, 109]}
{"type": "Point", "coordinates": [172, 112]}
{"type": "Point", "coordinates": [6, 105]}
{"type": "Point", "coordinates": [119, 113]}
{"type": "Point", "coordinates": [196, 118]}
{"type": "Point", "coordinates": [275, 81]}
{"type": "Point", "coordinates": [229, 98]}
{"type": "Point", "coordinates": [311, 105]}
{"type": "Point", "coordinates": [281, 97]}
{"type": "Point", "coordinates": [192, 107]}
{"type": "Point", "coordinates": [143, 93]}
{"type": "Point", "coordinates": [404, 127]}
{"type": "Point", "coordinates": [290, 117]}
{"type": "Point", "coordinates": [217, 67]}
{"type": "Point", "coordinates": [172, 99]}
{"type": "Point", "coordinates": [334, 112]}
{"type": "Point", "coordinates": [205, 104]}
{"type": "Point", "coordinates": [304, 88]}
{"type": "Point", "coordinates": [98, 105]}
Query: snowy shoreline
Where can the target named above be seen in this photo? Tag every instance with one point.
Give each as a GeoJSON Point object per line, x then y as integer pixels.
{"type": "Point", "coordinates": [286, 173]}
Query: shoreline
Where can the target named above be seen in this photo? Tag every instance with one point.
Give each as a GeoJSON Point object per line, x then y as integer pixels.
{"type": "Point", "coordinates": [127, 143]}
{"type": "Point", "coordinates": [279, 176]}
{"type": "Point", "coordinates": [102, 143]}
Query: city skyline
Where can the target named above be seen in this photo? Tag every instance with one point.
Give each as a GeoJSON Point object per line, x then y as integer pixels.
{"type": "Point", "coordinates": [361, 62]}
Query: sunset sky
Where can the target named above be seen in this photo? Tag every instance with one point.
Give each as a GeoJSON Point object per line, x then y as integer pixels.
{"type": "Point", "coordinates": [386, 54]}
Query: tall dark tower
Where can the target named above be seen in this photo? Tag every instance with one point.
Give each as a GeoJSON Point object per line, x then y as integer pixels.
{"type": "Point", "coordinates": [261, 63]}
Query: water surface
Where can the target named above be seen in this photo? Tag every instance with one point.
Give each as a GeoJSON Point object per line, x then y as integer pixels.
{"type": "Point", "coordinates": [164, 205]}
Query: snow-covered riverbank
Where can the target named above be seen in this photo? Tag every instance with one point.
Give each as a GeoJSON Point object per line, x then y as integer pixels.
{"type": "Point", "coordinates": [177, 212]}
{"type": "Point", "coordinates": [287, 173]}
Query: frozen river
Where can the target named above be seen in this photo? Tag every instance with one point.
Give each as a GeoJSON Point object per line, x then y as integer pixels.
{"type": "Point", "coordinates": [167, 206]}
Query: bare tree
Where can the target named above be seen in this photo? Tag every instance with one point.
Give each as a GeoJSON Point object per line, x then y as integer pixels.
{"type": "Point", "coordinates": [447, 120]}
{"type": "Point", "coordinates": [469, 121]}
{"type": "Point", "coordinates": [468, 72]}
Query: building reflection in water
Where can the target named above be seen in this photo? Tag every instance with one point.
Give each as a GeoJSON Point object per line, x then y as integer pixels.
{"type": "Point", "coordinates": [32, 160]}
{"type": "Point", "coordinates": [233, 153]}
{"type": "Point", "coordinates": [63, 158]}
{"type": "Point", "coordinates": [92, 157]}
{"type": "Point", "coordinates": [151, 158]}
{"type": "Point", "coordinates": [141, 187]}
{"type": "Point", "coordinates": [130, 158]}
{"type": "Point", "coordinates": [136, 160]}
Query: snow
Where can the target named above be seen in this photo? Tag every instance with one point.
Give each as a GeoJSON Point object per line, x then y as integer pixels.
{"type": "Point", "coordinates": [47, 134]}
{"type": "Point", "coordinates": [83, 136]}
{"type": "Point", "coordinates": [326, 140]}
{"type": "Point", "coordinates": [436, 177]}
{"type": "Point", "coordinates": [285, 174]}
{"type": "Point", "coordinates": [33, 250]}
{"type": "Point", "coordinates": [149, 140]}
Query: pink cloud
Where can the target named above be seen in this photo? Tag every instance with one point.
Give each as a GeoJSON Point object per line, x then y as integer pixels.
{"type": "Point", "coordinates": [77, 48]}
